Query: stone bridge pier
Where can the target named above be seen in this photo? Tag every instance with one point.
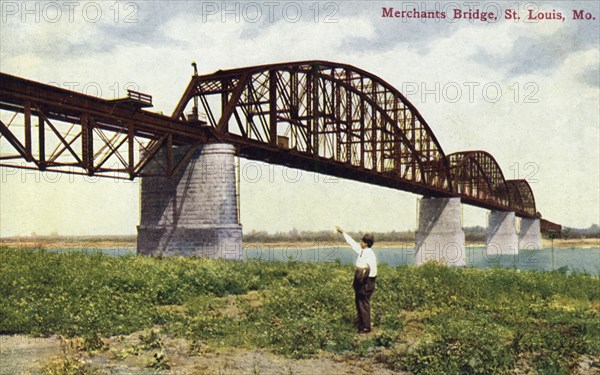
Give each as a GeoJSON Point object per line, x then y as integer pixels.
{"type": "Point", "coordinates": [439, 234]}
{"type": "Point", "coordinates": [530, 235]}
{"type": "Point", "coordinates": [501, 237]}
{"type": "Point", "coordinates": [194, 212]}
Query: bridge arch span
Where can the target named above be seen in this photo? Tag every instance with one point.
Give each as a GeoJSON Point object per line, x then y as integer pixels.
{"type": "Point", "coordinates": [522, 198]}
{"type": "Point", "coordinates": [476, 174]}
{"type": "Point", "coordinates": [324, 111]}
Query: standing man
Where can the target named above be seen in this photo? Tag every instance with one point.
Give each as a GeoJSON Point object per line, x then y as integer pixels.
{"type": "Point", "coordinates": [364, 278]}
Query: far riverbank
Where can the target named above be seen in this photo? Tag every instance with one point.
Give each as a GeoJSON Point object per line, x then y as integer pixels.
{"type": "Point", "coordinates": [124, 242]}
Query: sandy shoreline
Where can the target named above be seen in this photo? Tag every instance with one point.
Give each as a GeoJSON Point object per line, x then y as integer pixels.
{"type": "Point", "coordinates": [89, 243]}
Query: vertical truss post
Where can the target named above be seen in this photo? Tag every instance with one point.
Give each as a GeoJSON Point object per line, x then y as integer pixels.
{"type": "Point", "coordinates": [293, 83]}
{"type": "Point", "coordinates": [315, 110]}
{"type": "Point", "coordinates": [273, 107]}
{"type": "Point", "coordinates": [373, 129]}
{"type": "Point", "coordinates": [362, 133]}
{"type": "Point", "coordinates": [349, 122]}
{"type": "Point", "coordinates": [42, 141]}
{"type": "Point", "coordinates": [27, 113]}
{"type": "Point", "coordinates": [130, 148]}
{"type": "Point", "coordinates": [397, 141]}
{"type": "Point", "coordinates": [90, 143]}
{"type": "Point", "coordinates": [430, 156]}
{"type": "Point", "coordinates": [294, 94]}
{"type": "Point", "coordinates": [223, 123]}
{"type": "Point", "coordinates": [309, 114]}
{"type": "Point", "coordinates": [87, 143]}
{"type": "Point", "coordinates": [413, 158]}
{"type": "Point", "coordinates": [338, 122]}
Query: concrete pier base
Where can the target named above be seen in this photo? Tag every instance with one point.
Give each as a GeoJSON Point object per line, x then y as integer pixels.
{"type": "Point", "coordinates": [195, 212]}
{"type": "Point", "coordinates": [439, 235]}
{"type": "Point", "coordinates": [530, 235]}
{"type": "Point", "coordinates": [501, 238]}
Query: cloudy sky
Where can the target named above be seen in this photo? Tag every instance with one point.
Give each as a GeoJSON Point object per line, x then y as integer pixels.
{"type": "Point", "coordinates": [542, 125]}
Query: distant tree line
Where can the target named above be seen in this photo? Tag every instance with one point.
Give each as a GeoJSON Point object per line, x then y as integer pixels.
{"type": "Point", "coordinates": [592, 232]}
{"type": "Point", "coordinates": [471, 233]}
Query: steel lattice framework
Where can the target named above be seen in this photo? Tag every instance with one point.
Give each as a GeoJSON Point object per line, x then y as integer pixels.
{"type": "Point", "coordinates": [319, 116]}
{"type": "Point", "coordinates": [326, 111]}
{"type": "Point", "coordinates": [52, 129]}
{"type": "Point", "coordinates": [522, 199]}
{"type": "Point", "coordinates": [476, 174]}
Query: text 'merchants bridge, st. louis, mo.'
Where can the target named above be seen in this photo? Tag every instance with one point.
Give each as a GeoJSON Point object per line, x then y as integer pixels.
{"type": "Point", "coordinates": [319, 116]}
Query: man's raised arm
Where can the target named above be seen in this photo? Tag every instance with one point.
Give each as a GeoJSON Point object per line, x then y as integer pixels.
{"type": "Point", "coordinates": [355, 245]}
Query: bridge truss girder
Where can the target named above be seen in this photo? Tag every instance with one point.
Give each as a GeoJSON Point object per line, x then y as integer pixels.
{"type": "Point", "coordinates": [318, 116]}
{"type": "Point", "coordinates": [327, 113]}
{"type": "Point", "coordinates": [51, 129]}
{"type": "Point", "coordinates": [343, 121]}
{"type": "Point", "coordinates": [477, 175]}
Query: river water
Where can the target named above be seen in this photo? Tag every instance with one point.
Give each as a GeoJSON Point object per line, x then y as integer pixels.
{"type": "Point", "coordinates": [568, 260]}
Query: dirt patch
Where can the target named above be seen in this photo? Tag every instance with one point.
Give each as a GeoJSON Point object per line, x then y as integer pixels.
{"type": "Point", "coordinates": [414, 327]}
{"type": "Point", "coordinates": [572, 243]}
{"type": "Point", "coordinates": [236, 306]}
{"type": "Point", "coordinates": [130, 243]}
{"type": "Point", "coordinates": [74, 244]}
{"type": "Point", "coordinates": [241, 361]}
{"type": "Point", "coordinates": [20, 354]}
{"type": "Point", "coordinates": [131, 354]}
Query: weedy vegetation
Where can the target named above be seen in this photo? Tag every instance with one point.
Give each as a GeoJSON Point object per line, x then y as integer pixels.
{"type": "Point", "coordinates": [427, 319]}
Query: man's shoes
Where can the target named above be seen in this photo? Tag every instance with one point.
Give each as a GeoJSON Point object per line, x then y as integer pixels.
{"type": "Point", "coordinates": [364, 330]}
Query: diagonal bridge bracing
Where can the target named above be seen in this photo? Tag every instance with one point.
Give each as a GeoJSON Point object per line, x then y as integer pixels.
{"type": "Point", "coordinates": [52, 129]}
{"type": "Point", "coordinates": [319, 116]}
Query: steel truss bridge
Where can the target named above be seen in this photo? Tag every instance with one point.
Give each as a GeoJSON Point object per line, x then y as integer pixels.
{"type": "Point", "coordinates": [317, 116]}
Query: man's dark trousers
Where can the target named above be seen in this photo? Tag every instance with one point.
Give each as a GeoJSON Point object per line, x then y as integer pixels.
{"type": "Point", "coordinates": [363, 289]}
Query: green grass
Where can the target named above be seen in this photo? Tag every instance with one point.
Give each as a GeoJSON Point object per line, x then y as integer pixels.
{"type": "Point", "coordinates": [428, 319]}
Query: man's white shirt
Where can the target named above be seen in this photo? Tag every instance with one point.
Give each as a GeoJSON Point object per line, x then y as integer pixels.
{"type": "Point", "coordinates": [365, 257]}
